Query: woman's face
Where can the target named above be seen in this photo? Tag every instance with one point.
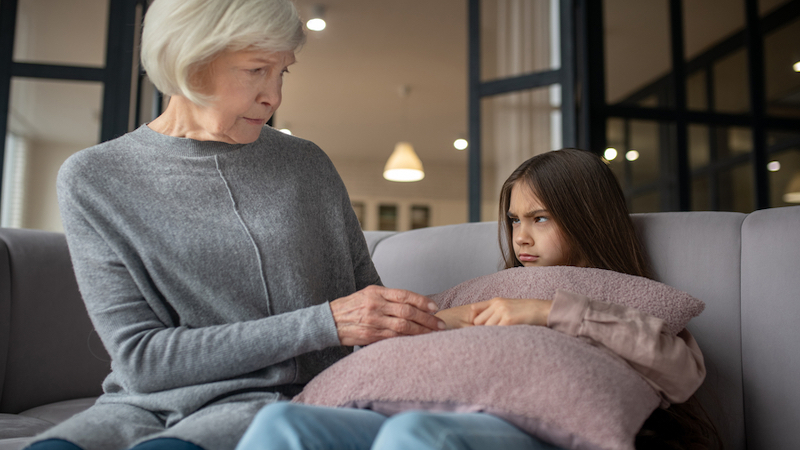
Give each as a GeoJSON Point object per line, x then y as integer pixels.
{"type": "Point", "coordinates": [537, 239]}
{"type": "Point", "coordinates": [246, 86]}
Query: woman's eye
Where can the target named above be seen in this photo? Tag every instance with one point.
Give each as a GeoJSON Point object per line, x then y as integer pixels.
{"type": "Point", "coordinates": [513, 220]}
{"type": "Point", "coordinates": [539, 219]}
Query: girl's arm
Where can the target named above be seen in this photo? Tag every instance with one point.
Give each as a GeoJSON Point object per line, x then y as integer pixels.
{"type": "Point", "coordinates": [672, 364]}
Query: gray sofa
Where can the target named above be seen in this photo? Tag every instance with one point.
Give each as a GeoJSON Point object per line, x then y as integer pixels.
{"type": "Point", "coordinates": [745, 267]}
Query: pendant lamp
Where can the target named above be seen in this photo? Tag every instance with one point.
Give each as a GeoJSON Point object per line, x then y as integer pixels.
{"type": "Point", "coordinates": [403, 165]}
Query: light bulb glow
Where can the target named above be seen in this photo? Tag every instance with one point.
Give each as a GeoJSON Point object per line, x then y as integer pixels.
{"type": "Point", "coordinates": [316, 24]}
{"type": "Point", "coordinates": [286, 131]}
{"type": "Point", "coordinates": [404, 175]}
{"type": "Point", "coordinates": [460, 144]}
{"type": "Point", "coordinates": [610, 153]}
{"type": "Point", "coordinates": [774, 166]}
{"type": "Point", "coordinates": [796, 66]}
{"type": "Point", "coordinates": [632, 155]}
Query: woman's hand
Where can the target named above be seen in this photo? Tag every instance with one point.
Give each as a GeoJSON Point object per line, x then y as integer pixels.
{"type": "Point", "coordinates": [376, 313]}
{"type": "Point", "coordinates": [511, 311]}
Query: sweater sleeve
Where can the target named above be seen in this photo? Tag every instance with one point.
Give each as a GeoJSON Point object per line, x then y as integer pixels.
{"type": "Point", "coordinates": [148, 354]}
{"type": "Point", "coordinates": [672, 364]}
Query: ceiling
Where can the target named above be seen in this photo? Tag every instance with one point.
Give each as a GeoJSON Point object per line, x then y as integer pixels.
{"type": "Point", "coordinates": [344, 91]}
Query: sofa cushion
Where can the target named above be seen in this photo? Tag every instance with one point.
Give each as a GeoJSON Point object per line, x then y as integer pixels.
{"type": "Point", "coordinates": [675, 307]}
{"type": "Point", "coordinates": [549, 384]}
{"type": "Point", "coordinates": [16, 426]}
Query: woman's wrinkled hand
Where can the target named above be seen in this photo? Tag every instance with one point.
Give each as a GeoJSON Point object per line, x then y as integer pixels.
{"type": "Point", "coordinates": [511, 311]}
{"type": "Point", "coordinates": [376, 313]}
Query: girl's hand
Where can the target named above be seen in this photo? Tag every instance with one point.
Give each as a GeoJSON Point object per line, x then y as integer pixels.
{"type": "Point", "coordinates": [511, 311]}
{"type": "Point", "coordinates": [458, 317]}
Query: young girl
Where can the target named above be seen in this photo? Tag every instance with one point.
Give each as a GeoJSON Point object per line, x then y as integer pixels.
{"type": "Point", "coordinates": [558, 208]}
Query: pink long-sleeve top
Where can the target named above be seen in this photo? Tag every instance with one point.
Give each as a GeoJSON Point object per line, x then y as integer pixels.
{"type": "Point", "coordinates": [672, 364]}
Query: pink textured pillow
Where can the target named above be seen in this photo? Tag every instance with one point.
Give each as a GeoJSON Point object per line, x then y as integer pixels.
{"type": "Point", "coordinates": [554, 386]}
{"type": "Point", "coordinates": [675, 307]}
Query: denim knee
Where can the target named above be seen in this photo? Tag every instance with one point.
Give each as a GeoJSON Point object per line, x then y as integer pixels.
{"type": "Point", "coordinates": [53, 444]}
{"type": "Point", "coordinates": [166, 444]}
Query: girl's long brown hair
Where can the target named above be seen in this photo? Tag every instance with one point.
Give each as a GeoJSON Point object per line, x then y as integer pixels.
{"type": "Point", "coordinates": [586, 201]}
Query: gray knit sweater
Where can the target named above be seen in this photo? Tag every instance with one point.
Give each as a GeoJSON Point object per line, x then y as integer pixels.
{"type": "Point", "coordinates": [206, 267]}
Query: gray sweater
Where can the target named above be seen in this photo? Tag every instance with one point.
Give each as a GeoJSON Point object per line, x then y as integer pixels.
{"type": "Point", "coordinates": [206, 267]}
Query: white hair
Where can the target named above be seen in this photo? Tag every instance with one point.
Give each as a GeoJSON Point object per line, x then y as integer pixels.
{"type": "Point", "coordinates": [181, 37]}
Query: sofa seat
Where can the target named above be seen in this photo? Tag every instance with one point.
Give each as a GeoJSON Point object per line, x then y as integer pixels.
{"type": "Point", "coordinates": [16, 429]}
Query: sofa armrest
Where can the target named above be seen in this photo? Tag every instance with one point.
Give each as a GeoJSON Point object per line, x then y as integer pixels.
{"type": "Point", "coordinates": [49, 350]}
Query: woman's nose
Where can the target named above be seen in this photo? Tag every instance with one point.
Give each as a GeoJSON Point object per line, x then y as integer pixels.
{"type": "Point", "coordinates": [270, 93]}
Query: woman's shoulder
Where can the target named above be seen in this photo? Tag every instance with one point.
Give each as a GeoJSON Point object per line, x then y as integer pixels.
{"type": "Point", "coordinates": [98, 160]}
{"type": "Point", "coordinates": [294, 147]}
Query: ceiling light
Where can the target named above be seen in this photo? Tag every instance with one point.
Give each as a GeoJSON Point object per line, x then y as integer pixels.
{"type": "Point", "coordinates": [774, 166]}
{"type": "Point", "coordinates": [404, 164]}
{"type": "Point", "coordinates": [460, 144]}
{"type": "Point", "coordinates": [796, 66]}
{"type": "Point", "coordinates": [317, 23]}
{"type": "Point", "coordinates": [792, 194]}
{"type": "Point", "coordinates": [610, 153]}
{"type": "Point", "coordinates": [632, 155]}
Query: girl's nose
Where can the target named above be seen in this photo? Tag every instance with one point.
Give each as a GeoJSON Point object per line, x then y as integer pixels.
{"type": "Point", "coordinates": [522, 237]}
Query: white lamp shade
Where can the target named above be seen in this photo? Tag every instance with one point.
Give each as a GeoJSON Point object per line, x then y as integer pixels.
{"type": "Point", "coordinates": [792, 194]}
{"type": "Point", "coordinates": [404, 164]}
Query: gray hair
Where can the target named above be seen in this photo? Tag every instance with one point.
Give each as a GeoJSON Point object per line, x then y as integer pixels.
{"type": "Point", "coordinates": [181, 37]}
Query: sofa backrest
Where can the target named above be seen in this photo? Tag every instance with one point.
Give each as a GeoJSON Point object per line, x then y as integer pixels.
{"type": "Point", "coordinates": [750, 284]}
{"type": "Point", "coordinates": [770, 322]}
{"type": "Point", "coordinates": [48, 350]}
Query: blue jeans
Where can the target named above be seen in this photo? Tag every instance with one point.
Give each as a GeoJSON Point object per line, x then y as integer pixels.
{"type": "Point", "coordinates": [292, 426]}
{"type": "Point", "coordinates": [153, 444]}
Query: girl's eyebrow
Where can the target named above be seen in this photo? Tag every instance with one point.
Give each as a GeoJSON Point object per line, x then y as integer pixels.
{"type": "Point", "coordinates": [535, 212]}
{"type": "Point", "coordinates": [527, 214]}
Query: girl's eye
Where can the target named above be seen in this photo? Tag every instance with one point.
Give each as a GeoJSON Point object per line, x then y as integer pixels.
{"type": "Point", "coordinates": [513, 220]}
{"type": "Point", "coordinates": [539, 219]}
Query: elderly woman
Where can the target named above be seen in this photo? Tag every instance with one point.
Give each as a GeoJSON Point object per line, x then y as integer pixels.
{"type": "Point", "coordinates": [220, 260]}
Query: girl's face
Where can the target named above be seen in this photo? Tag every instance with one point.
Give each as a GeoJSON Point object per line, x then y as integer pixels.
{"type": "Point", "coordinates": [537, 239]}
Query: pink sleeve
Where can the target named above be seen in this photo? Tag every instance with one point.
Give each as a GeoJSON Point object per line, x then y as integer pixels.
{"type": "Point", "coordinates": [672, 364]}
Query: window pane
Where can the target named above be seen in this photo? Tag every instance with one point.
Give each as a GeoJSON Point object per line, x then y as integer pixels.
{"type": "Point", "coordinates": [519, 37]}
{"type": "Point", "coordinates": [767, 6]}
{"type": "Point", "coordinates": [645, 203]}
{"type": "Point", "coordinates": [696, 92]}
{"type": "Point", "coordinates": [706, 23]}
{"type": "Point", "coordinates": [647, 138]}
{"type": "Point", "coordinates": [61, 32]}
{"type": "Point", "coordinates": [701, 198]}
{"type": "Point", "coordinates": [51, 120]}
{"type": "Point", "coordinates": [515, 127]}
{"type": "Point", "coordinates": [699, 155]}
{"type": "Point", "coordinates": [784, 177]}
{"type": "Point", "coordinates": [731, 88]}
{"type": "Point", "coordinates": [637, 50]}
{"type": "Point", "coordinates": [736, 189]}
{"type": "Point", "coordinates": [781, 53]}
